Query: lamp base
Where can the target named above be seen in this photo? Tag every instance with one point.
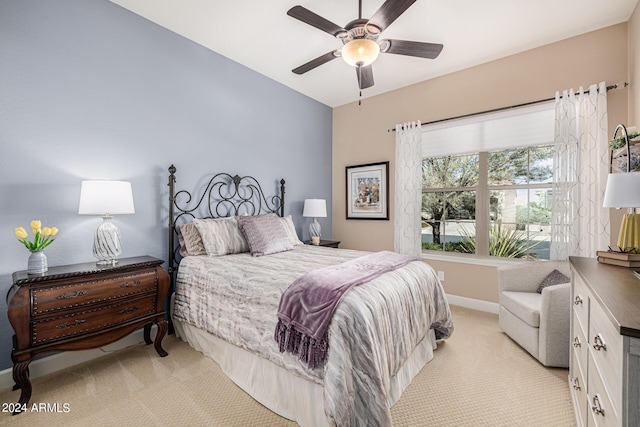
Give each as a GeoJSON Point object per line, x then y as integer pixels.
{"type": "Point", "coordinates": [629, 237]}
{"type": "Point", "coordinates": [107, 245]}
{"type": "Point", "coordinates": [314, 228]}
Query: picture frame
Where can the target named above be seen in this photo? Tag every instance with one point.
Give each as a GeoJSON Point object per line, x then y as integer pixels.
{"type": "Point", "coordinates": [367, 192]}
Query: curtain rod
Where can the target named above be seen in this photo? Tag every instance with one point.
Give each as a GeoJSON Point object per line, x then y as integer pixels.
{"type": "Point", "coordinates": [611, 87]}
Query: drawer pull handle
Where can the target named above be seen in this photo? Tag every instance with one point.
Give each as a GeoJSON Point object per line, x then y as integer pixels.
{"type": "Point", "coordinates": [71, 295]}
{"type": "Point", "coordinates": [598, 343]}
{"type": "Point", "coordinates": [67, 325]}
{"type": "Point", "coordinates": [577, 300]}
{"type": "Point", "coordinates": [576, 384]}
{"type": "Point", "coordinates": [129, 310]}
{"type": "Point", "coordinates": [596, 407]}
{"type": "Point", "coordinates": [130, 285]}
{"type": "Point", "coordinates": [576, 342]}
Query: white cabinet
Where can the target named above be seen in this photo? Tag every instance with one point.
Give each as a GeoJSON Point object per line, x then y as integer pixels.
{"type": "Point", "coordinates": [604, 371]}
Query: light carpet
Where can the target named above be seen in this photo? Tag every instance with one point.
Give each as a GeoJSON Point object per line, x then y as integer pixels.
{"type": "Point", "coordinates": [478, 377]}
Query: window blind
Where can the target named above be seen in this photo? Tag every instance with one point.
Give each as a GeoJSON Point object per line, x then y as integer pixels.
{"type": "Point", "coordinates": [519, 127]}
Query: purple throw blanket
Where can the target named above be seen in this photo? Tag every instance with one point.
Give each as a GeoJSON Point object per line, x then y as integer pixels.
{"type": "Point", "coordinates": [308, 304]}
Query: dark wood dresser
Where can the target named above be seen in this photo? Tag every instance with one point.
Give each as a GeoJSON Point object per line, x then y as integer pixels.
{"type": "Point", "coordinates": [604, 368]}
{"type": "Point", "coordinates": [83, 306]}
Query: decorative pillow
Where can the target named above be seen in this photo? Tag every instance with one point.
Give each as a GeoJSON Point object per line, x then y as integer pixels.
{"type": "Point", "coordinates": [190, 240]}
{"type": "Point", "coordinates": [553, 278]}
{"type": "Point", "coordinates": [265, 234]}
{"type": "Point", "coordinates": [221, 236]}
{"type": "Point", "coordinates": [287, 222]}
{"type": "Point", "coordinates": [183, 247]}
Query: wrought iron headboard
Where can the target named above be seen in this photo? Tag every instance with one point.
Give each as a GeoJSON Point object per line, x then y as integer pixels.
{"type": "Point", "coordinates": [224, 195]}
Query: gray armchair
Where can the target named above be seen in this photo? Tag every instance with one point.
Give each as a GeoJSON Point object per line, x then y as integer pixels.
{"type": "Point", "coordinates": [539, 323]}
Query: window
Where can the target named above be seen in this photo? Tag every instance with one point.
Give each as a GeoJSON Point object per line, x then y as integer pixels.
{"type": "Point", "coordinates": [495, 200]}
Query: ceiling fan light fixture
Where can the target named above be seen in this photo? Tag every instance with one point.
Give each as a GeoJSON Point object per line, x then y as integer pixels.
{"type": "Point", "coordinates": [360, 52]}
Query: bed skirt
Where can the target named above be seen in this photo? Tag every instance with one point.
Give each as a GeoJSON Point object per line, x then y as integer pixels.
{"type": "Point", "coordinates": [284, 393]}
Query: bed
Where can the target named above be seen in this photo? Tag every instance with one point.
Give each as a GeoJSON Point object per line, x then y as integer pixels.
{"type": "Point", "coordinates": [225, 304]}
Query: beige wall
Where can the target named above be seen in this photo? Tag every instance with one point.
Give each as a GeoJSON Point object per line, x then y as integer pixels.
{"type": "Point", "coordinates": [360, 132]}
{"type": "Point", "coordinates": [634, 67]}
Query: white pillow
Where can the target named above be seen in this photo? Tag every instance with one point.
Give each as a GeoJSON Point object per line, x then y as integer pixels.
{"type": "Point", "coordinates": [221, 236]}
{"type": "Point", "coordinates": [287, 222]}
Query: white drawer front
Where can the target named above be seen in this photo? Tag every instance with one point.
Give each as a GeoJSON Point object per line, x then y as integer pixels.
{"type": "Point", "coordinates": [580, 302]}
{"type": "Point", "coordinates": [578, 387]}
{"type": "Point", "coordinates": [605, 344]}
{"type": "Point", "coordinates": [579, 346]}
{"type": "Point", "coordinates": [600, 408]}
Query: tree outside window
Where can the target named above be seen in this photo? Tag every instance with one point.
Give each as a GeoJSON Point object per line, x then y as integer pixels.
{"type": "Point", "coordinates": [501, 198]}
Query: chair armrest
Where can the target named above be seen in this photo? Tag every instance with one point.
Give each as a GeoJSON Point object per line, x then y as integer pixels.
{"type": "Point", "coordinates": [555, 299]}
{"type": "Point", "coordinates": [555, 315]}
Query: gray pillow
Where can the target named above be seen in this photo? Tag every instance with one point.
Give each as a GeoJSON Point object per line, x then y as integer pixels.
{"type": "Point", "coordinates": [265, 234]}
{"type": "Point", "coordinates": [553, 278]}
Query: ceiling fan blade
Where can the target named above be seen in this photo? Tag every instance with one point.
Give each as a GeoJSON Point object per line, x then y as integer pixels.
{"type": "Point", "coordinates": [365, 76]}
{"type": "Point", "coordinates": [409, 48]}
{"type": "Point", "coordinates": [322, 59]}
{"type": "Point", "coordinates": [315, 20]}
{"type": "Point", "coordinates": [389, 12]}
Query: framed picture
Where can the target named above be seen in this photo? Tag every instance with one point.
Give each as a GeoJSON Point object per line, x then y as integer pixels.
{"type": "Point", "coordinates": [367, 191]}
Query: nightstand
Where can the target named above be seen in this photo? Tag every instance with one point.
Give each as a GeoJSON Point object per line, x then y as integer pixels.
{"type": "Point", "coordinates": [83, 306]}
{"type": "Point", "coordinates": [325, 243]}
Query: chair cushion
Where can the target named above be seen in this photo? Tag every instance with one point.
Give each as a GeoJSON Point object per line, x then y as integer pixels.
{"type": "Point", "coordinates": [524, 305]}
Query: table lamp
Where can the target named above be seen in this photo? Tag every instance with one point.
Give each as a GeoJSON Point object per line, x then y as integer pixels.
{"type": "Point", "coordinates": [106, 198]}
{"type": "Point", "coordinates": [623, 191]}
{"type": "Point", "coordinates": [314, 208]}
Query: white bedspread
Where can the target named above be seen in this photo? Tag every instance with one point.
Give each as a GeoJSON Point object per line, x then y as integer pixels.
{"type": "Point", "coordinates": [374, 330]}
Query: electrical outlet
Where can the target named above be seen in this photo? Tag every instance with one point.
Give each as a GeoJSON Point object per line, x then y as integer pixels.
{"type": "Point", "coordinates": [441, 275]}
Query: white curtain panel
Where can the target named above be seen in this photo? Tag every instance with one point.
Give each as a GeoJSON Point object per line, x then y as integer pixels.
{"type": "Point", "coordinates": [408, 189]}
{"type": "Point", "coordinates": [579, 223]}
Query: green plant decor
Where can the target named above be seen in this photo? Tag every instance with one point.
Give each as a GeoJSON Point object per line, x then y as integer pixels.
{"type": "Point", "coordinates": [620, 141]}
{"type": "Point", "coordinates": [503, 242]}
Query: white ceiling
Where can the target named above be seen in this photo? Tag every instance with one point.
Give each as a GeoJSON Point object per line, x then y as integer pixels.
{"type": "Point", "coordinates": [260, 35]}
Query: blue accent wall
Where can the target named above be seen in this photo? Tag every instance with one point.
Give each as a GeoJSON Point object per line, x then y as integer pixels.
{"type": "Point", "coordinates": [89, 90]}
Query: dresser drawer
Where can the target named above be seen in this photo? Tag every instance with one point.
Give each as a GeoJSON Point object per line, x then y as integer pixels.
{"type": "Point", "coordinates": [605, 345]}
{"type": "Point", "coordinates": [48, 300]}
{"type": "Point", "coordinates": [601, 410]}
{"type": "Point", "coordinates": [579, 347]}
{"type": "Point", "coordinates": [578, 387]}
{"type": "Point", "coordinates": [580, 302]}
{"type": "Point", "coordinates": [91, 319]}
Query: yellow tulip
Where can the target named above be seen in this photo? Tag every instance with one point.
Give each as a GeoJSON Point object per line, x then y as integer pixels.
{"type": "Point", "coordinates": [35, 231]}
{"type": "Point", "coordinates": [54, 231]}
{"type": "Point", "coordinates": [46, 232]}
{"type": "Point", "coordinates": [21, 233]}
{"type": "Point", "coordinates": [36, 224]}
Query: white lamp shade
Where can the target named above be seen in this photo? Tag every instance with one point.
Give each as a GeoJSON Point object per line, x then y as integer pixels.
{"type": "Point", "coordinates": [315, 208]}
{"type": "Point", "coordinates": [106, 198]}
{"type": "Point", "coordinates": [622, 191]}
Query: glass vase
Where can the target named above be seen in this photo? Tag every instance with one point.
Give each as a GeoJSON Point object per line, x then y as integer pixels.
{"type": "Point", "coordinates": [37, 263]}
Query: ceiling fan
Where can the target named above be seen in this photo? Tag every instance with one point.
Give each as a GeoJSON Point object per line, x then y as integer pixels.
{"type": "Point", "coordinates": [360, 39]}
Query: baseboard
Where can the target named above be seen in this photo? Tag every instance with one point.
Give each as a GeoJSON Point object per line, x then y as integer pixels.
{"type": "Point", "coordinates": [476, 304]}
{"type": "Point", "coordinates": [56, 362]}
